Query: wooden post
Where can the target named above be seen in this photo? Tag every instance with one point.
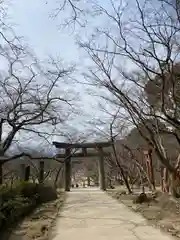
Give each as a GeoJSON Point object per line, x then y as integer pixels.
{"type": "Point", "coordinates": [22, 171]}
{"type": "Point", "coordinates": [41, 172]}
{"type": "Point", "coordinates": [101, 170]}
{"type": "Point", "coordinates": [88, 181]}
{"type": "Point", "coordinates": [27, 173]}
{"type": "Point", "coordinates": [67, 171]}
{"type": "Point", "coordinates": [84, 151]}
{"type": "Point", "coordinates": [162, 178]}
{"type": "Point", "coordinates": [1, 173]}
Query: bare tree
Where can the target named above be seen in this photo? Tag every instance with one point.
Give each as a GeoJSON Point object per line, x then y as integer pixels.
{"type": "Point", "coordinates": [109, 129]}
{"type": "Point", "coordinates": [33, 94]}
{"type": "Point", "coordinates": [72, 13]}
{"type": "Point", "coordinates": [147, 41]}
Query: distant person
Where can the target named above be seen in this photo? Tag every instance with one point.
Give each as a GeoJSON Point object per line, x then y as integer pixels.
{"type": "Point", "coordinates": [77, 185]}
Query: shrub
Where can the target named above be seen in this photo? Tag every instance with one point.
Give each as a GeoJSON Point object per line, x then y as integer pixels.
{"type": "Point", "coordinates": [21, 199]}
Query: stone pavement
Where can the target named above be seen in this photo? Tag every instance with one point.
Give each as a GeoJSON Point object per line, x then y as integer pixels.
{"type": "Point", "coordinates": [90, 214]}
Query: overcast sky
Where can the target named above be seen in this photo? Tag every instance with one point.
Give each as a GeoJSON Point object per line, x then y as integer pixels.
{"type": "Point", "coordinates": [34, 23]}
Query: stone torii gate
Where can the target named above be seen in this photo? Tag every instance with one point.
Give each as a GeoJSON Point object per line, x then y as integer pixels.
{"type": "Point", "coordinates": [68, 147]}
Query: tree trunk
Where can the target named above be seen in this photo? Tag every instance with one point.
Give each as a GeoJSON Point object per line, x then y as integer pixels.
{"type": "Point", "coordinates": [150, 170]}
{"type": "Point", "coordinates": [121, 170]}
{"type": "Point", "coordinates": [1, 174]}
{"type": "Point", "coordinates": [175, 180]}
{"type": "Point", "coordinates": [57, 176]}
{"type": "Point", "coordinates": [175, 185]}
{"type": "Point", "coordinates": [164, 179]}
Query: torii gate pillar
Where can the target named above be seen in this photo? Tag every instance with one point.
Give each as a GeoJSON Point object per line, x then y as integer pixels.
{"type": "Point", "coordinates": [102, 181]}
{"type": "Point", "coordinates": [67, 171]}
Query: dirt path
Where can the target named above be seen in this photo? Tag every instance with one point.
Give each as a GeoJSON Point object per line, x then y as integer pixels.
{"type": "Point", "coordinates": [93, 215]}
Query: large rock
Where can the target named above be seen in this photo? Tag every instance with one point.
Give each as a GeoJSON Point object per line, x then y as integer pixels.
{"type": "Point", "coordinates": [141, 198]}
